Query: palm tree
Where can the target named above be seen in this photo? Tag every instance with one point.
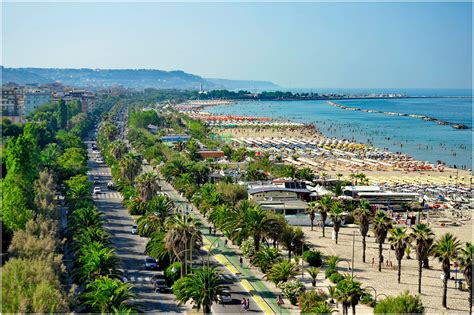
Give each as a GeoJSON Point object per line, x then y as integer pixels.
{"type": "Point", "coordinates": [324, 205]}
{"type": "Point", "coordinates": [422, 236]}
{"type": "Point", "coordinates": [313, 273]}
{"type": "Point", "coordinates": [399, 240]}
{"type": "Point", "coordinates": [161, 206]}
{"type": "Point", "coordinates": [282, 271]}
{"type": "Point", "coordinates": [322, 308]}
{"type": "Point", "coordinates": [89, 235]}
{"type": "Point", "coordinates": [83, 218]}
{"type": "Point", "coordinates": [266, 257]}
{"type": "Point", "coordinates": [382, 223]}
{"type": "Point", "coordinates": [106, 295]}
{"type": "Point", "coordinates": [118, 149]}
{"type": "Point", "coordinates": [135, 206]}
{"type": "Point", "coordinates": [156, 247]}
{"type": "Point", "coordinates": [364, 216]}
{"type": "Point", "coordinates": [183, 234]}
{"type": "Point", "coordinates": [311, 211]}
{"type": "Point", "coordinates": [173, 169]}
{"type": "Point", "coordinates": [336, 214]}
{"type": "Point", "coordinates": [348, 292]}
{"type": "Point", "coordinates": [465, 265]}
{"type": "Point", "coordinates": [292, 239]}
{"type": "Point", "coordinates": [323, 176]}
{"type": "Point", "coordinates": [149, 224]}
{"type": "Point", "coordinates": [258, 223]}
{"type": "Point", "coordinates": [147, 185]}
{"type": "Point", "coordinates": [202, 287]}
{"type": "Point", "coordinates": [95, 260]}
{"type": "Point", "coordinates": [130, 167]}
{"type": "Point", "coordinates": [446, 249]}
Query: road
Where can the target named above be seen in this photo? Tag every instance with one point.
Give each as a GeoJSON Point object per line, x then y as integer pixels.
{"type": "Point", "coordinates": [130, 249]}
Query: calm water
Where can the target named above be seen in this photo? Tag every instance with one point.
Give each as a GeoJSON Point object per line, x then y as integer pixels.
{"type": "Point", "coordinates": [424, 140]}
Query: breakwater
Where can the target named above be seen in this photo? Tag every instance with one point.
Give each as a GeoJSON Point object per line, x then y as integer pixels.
{"type": "Point", "coordinates": [422, 117]}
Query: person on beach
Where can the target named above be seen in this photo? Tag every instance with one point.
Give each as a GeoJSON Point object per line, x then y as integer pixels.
{"type": "Point", "coordinates": [373, 262]}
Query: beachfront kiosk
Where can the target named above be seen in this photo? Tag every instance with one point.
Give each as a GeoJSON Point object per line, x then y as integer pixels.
{"type": "Point", "coordinates": [384, 199]}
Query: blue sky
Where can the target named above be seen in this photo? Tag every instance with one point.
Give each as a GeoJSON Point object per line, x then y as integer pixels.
{"type": "Point", "coordinates": [334, 45]}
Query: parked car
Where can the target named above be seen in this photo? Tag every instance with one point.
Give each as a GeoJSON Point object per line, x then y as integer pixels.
{"type": "Point", "coordinates": [224, 297]}
{"type": "Point", "coordinates": [160, 285]}
{"type": "Point", "coordinates": [96, 180]}
{"type": "Point", "coordinates": [150, 263]}
{"type": "Point", "coordinates": [134, 229]}
{"type": "Point", "coordinates": [97, 190]}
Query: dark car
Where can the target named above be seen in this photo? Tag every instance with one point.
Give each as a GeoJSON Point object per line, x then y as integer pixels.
{"type": "Point", "coordinates": [150, 263]}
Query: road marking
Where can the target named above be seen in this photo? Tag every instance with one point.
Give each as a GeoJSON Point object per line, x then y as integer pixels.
{"type": "Point", "coordinates": [257, 298]}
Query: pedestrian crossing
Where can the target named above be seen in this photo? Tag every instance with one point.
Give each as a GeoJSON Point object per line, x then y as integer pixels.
{"type": "Point", "coordinates": [137, 279]}
{"type": "Point", "coordinates": [95, 173]}
{"type": "Point", "coordinates": [107, 195]}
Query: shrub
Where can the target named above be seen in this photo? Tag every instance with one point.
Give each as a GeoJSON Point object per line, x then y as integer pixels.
{"type": "Point", "coordinates": [329, 272]}
{"type": "Point", "coordinates": [170, 275]}
{"type": "Point", "coordinates": [309, 299]}
{"type": "Point", "coordinates": [336, 277]}
{"type": "Point", "coordinates": [401, 304]}
{"type": "Point", "coordinates": [282, 271]}
{"type": "Point", "coordinates": [248, 248]}
{"type": "Point", "coordinates": [313, 258]}
{"type": "Point", "coordinates": [292, 289]}
{"type": "Point", "coordinates": [367, 299]}
{"type": "Point", "coordinates": [332, 261]}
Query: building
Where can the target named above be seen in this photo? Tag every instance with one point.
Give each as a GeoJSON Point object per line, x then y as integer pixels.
{"type": "Point", "coordinates": [33, 98]}
{"type": "Point", "coordinates": [211, 154]}
{"type": "Point", "coordinates": [284, 197]}
{"type": "Point", "coordinates": [380, 198]}
{"type": "Point", "coordinates": [12, 103]}
{"type": "Point", "coordinates": [175, 138]}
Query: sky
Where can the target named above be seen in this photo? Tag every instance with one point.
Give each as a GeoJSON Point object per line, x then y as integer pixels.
{"type": "Point", "coordinates": [303, 45]}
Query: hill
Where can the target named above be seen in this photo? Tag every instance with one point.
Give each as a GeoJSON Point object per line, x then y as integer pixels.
{"type": "Point", "coordinates": [130, 78]}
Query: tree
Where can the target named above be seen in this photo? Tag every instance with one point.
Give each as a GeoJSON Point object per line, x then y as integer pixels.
{"type": "Point", "coordinates": [348, 292]}
{"type": "Point", "coordinates": [202, 287]}
{"type": "Point", "coordinates": [156, 249]}
{"type": "Point", "coordinates": [200, 172]}
{"type": "Point", "coordinates": [313, 273]}
{"type": "Point", "coordinates": [311, 211]}
{"type": "Point", "coordinates": [336, 214]}
{"type": "Point", "coordinates": [62, 114]}
{"type": "Point", "coordinates": [308, 300]}
{"type": "Point", "coordinates": [399, 239]}
{"type": "Point", "coordinates": [106, 295]}
{"type": "Point", "coordinates": [422, 236]}
{"type": "Point", "coordinates": [130, 167]}
{"type": "Point", "coordinates": [161, 206]}
{"type": "Point", "coordinates": [282, 271]}
{"type": "Point", "coordinates": [322, 308]}
{"type": "Point", "coordinates": [72, 162]}
{"type": "Point", "coordinates": [324, 205]}
{"type": "Point", "coordinates": [183, 235]}
{"type": "Point", "coordinates": [49, 156]}
{"type": "Point", "coordinates": [118, 149]}
{"type": "Point", "coordinates": [465, 265]}
{"type": "Point", "coordinates": [67, 139]}
{"type": "Point", "coordinates": [149, 224]}
{"type": "Point", "coordinates": [401, 304]}
{"type": "Point", "coordinates": [266, 257]}
{"type": "Point", "coordinates": [446, 249]}
{"type": "Point", "coordinates": [364, 216]}
{"type": "Point", "coordinates": [382, 223]}
{"type": "Point", "coordinates": [232, 193]}
{"type": "Point", "coordinates": [31, 286]}
{"type": "Point", "coordinates": [16, 205]}
{"type": "Point", "coordinates": [258, 223]}
{"type": "Point", "coordinates": [147, 185]}
{"type": "Point", "coordinates": [292, 239]}
{"type": "Point", "coordinates": [95, 260]}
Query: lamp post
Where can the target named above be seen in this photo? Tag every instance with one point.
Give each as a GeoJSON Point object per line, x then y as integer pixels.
{"type": "Point", "coordinates": [353, 246]}
{"type": "Point", "coordinates": [348, 264]}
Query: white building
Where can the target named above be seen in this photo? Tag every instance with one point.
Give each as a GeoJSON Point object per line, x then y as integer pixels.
{"type": "Point", "coordinates": [32, 99]}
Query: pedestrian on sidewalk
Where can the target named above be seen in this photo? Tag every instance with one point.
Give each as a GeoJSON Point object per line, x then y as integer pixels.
{"type": "Point", "coordinates": [247, 305]}
{"type": "Point", "coordinates": [373, 262]}
{"type": "Point", "coordinates": [225, 242]}
{"type": "Point", "coordinates": [210, 230]}
{"type": "Point", "coordinates": [241, 261]}
{"type": "Point", "coordinates": [243, 302]}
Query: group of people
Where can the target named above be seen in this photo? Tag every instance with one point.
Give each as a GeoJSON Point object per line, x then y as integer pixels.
{"type": "Point", "coordinates": [245, 304]}
{"type": "Point", "coordinates": [388, 263]}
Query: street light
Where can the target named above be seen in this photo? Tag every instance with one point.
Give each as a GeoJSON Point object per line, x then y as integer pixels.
{"type": "Point", "coordinates": [345, 261]}
{"type": "Point", "coordinates": [375, 293]}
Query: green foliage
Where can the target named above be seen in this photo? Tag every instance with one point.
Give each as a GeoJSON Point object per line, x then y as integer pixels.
{"type": "Point", "coordinates": [156, 249]}
{"type": "Point", "coordinates": [282, 271]}
{"type": "Point", "coordinates": [16, 203]}
{"type": "Point", "coordinates": [62, 114]}
{"type": "Point", "coordinates": [291, 289]}
{"type": "Point", "coordinates": [313, 258]}
{"type": "Point", "coordinates": [401, 304]}
{"type": "Point", "coordinates": [231, 193]}
{"type": "Point", "coordinates": [329, 271]}
{"type": "Point", "coordinates": [266, 257]}
{"type": "Point", "coordinates": [313, 273]}
{"type": "Point", "coordinates": [248, 248]}
{"type": "Point", "coordinates": [310, 299]}
{"type": "Point", "coordinates": [141, 119]}
{"type": "Point", "coordinates": [336, 277]}
{"type": "Point", "coordinates": [31, 286]}
{"type": "Point", "coordinates": [173, 272]}
{"type": "Point", "coordinates": [202, 287]}
{"type": "Point", "coordinates": [106, 295]}
{"type": "Point", "coordinates": [73, 162]}
{"type": "Point", "coordinates": [67, 140]}
{"type": "Point", "coordinates": [367, 299]}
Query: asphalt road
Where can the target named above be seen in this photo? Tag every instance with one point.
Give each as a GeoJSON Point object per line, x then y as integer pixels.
{"type": "Point", "coordinates": [130, 249]}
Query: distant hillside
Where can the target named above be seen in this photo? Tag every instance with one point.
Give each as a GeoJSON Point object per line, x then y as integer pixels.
{"type": "Point", "coordinates": [243, 84]}
{"type": "Point", "coordinates": [138, 79]}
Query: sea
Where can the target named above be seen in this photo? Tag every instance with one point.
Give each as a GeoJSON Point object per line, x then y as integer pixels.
{"type": "Point", "coordinates": [424, 140]}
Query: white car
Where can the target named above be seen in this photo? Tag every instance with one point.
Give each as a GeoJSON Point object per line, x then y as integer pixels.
{"type": "Point", "coordinates": [97, 190]}
{"type": "Point", "coordinates": [99, 161]}
{"type": "Point", "coordinates": [224, 297]}
{"type": "Point", "coordinates": [134, 229]}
